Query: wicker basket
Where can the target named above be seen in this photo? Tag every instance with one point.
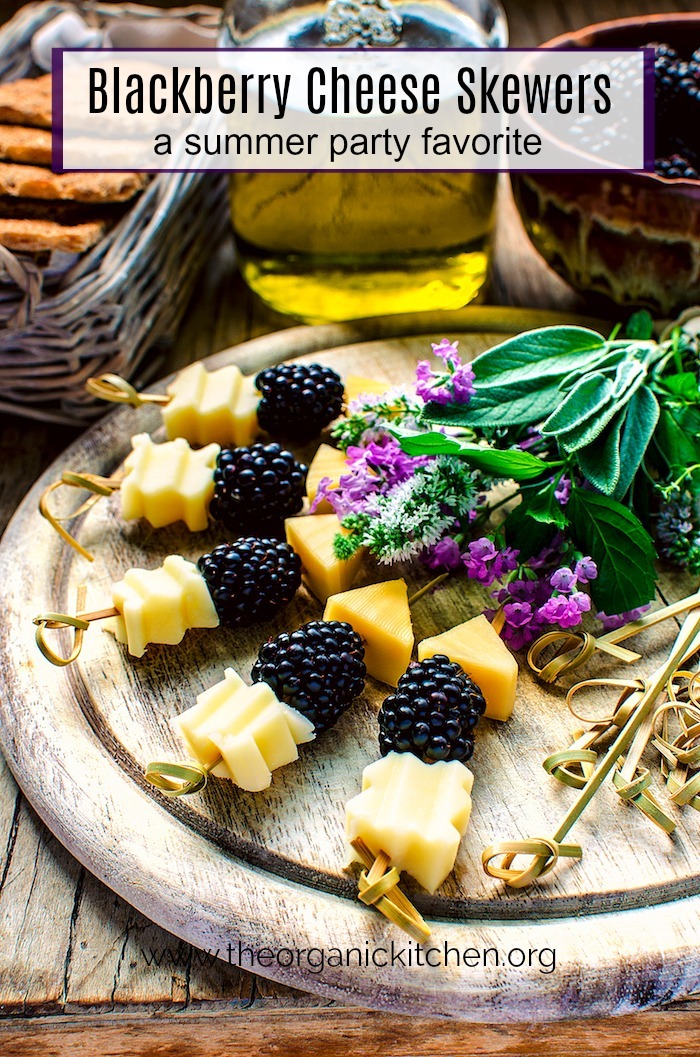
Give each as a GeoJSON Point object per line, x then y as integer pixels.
{"type": "Point", "coordinates": [117, 300]}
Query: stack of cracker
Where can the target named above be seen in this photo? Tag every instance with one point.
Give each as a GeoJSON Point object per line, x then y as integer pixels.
{"type": "Point", "coordinates": [39, 210]}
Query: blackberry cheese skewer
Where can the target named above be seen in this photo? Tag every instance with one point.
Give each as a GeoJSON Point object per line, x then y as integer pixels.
{"type": "Point", "coordinates": [229, 408]}
{"type": "Point", "coordinates": [235, 585]}
{"type": "Point", "coordinates": [303, 682]}
{"type": "Point", "coordinates": [254, 487]}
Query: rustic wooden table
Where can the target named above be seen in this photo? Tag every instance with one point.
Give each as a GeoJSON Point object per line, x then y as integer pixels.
{"type": "Point", "coordinates": [81, 972]}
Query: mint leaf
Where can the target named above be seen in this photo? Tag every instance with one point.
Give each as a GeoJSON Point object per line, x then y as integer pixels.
{"type": "Point", "coordinates": [640, 325]}
{"type": "Point", "coordinates": [512, 463]}
{"type": "Point", "coordinates": [640, 423]}
{"type": "Point", "coordinates": [544, 507]}
{"type": "Point", "coordinates": [528, 535]}
{"type": "Point", "coordinates": [684, 386]}
{"type": "Point", "coordinates": [548, 352]}
{"type": "Point", "coordinates": [620, 546]}
{"type": "Point", "coordinates": [677, 436]}
{"type": "Point", "coordinates": [599, 462]}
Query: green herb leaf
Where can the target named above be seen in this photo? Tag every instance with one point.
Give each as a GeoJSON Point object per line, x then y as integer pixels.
{"type": "Point", "coordinates": [496, 405]}
{"type": "Point", "coordinates": [640, 423]}
{"type": "Point", "coordinates": [640, 325]}
{"type": "Point", "coordinates": [590, 394]}
{"type": "Point", "coordinates": [599, 461]}
{"type": "Point", "coordinates": [684, 386]}
{"type": "Point", "coordinates": [513, 463]}
{"type": "Point", "coordinates": [620, 546]}
{"type": "Point", "coordinates": [544, 507]}
{"type": "Point", "coordinates": [526, 533]}
{"type": "Point", "coordinates": [548, 352]}
{"type": "Point", "coordinates": [677, 436]}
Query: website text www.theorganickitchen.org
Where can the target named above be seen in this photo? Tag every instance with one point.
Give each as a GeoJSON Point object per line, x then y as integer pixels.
{"type": "Point", "coordinates": [317, 959]}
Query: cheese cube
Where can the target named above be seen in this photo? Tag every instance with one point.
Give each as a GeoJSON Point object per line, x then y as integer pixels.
{"type": "Point", "coordinates": [168, 482]}
{"type": "Point", "coordinates": [160, 605]}
{"type": "Point", "coordinates": [312, 539]}
{"type": "Point", "coordinates": [483, 655]}
{"type": "Point", "coordinates": [381, 617]}
{"type": "Point", "coordinates": [356, 386]}
{"type": "Point", "coordinates": [247, 727]}
{"type": "Point", "coordinates": [415, 812]}
{"type": "Point", "coordinates": [327, 462]}
{"type": "Point", "coordinates": [218, 406]}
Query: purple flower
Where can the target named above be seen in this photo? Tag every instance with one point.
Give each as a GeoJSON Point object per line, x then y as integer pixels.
{"type": "Point", "coordinates": [445, 554]}
{"type": "Point", "coordinates": [560, 609]}
{"type": "Point", "coordinates": [585, 570]}
{"type": "Point", "coordinates": [563, 580]}
{"type": "Point", "coordinates": [446, 350]}
{"type": "Point", "coordinates": [518, 614]}
{"type": "Point", "coordinates": [563, 491]}
{"type": "Point", "coordinates": [486, 564]}
{"type": "Point", "coordinates": [581, 600]}
{"type": "Point", "coordinates": [616, 620]}
{"type": "Point", "coordinates": [453, 384]}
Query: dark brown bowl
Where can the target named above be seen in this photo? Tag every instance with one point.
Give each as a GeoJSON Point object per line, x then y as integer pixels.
{"type": "Point", "coordinates": [632, 238]}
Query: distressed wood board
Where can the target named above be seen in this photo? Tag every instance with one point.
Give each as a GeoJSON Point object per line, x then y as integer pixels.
{"type": "Point", "coordinates": [266, 869]}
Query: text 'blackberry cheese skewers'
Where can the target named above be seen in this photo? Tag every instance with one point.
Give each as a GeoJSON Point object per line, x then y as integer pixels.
{"type": "Point", "coordinates": [303, 682]}
{"type": "Point", "coordinates": [226, 407]}
{"type": "Point", "coordinates": [254, 487]}
{"type": "Point", "coordinates": [235, 585]}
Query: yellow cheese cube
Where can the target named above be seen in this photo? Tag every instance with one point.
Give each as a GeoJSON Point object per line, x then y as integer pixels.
{"type": "Point", "coordinates": [160, 605]}
{"type": "Point", "coordinates": [312, 539]}
{"type": "Point", "coordinates": [247, 726]}
{"type": "Point", "coordinates": [381, 617]}
{"type": "Point", "coordinates": [415, 812]}
{"type": "Point", "coordinates": [218, 406]}
{"type": "Point", "coordinates": [168, 482]}
{"type": "Point", "coordinates": [327, 462]}
{"type": "Point", "coordinates": [480, 652]}
{"type": "Point", "coordinates": [356, 386]}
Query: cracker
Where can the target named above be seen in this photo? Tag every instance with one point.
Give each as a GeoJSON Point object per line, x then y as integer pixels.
{"type": "Point", "coordinates": [28, 145]}
{"type": "Point", "coordinates": [26, 102]}
{"type": "Point", "coordinates": [35, 236]}
{"type": "Point", "coordinates": [29, 181]}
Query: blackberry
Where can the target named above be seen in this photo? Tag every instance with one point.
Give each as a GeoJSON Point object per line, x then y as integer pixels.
{"type": "Point", "coordinates": [298, 400]}
{"type": "Point", "coordinates": [675, 168]}
{"type": "Point", "coordinates": [433, 712]}
{"type": "Point", "coordinates": [260, 484]}
{"type": "Point", "coordinates": [669, 70]}
{"type": "Point", "coordinates": [319, 669]}
{"type": "Point", "coordinates": [251, 579]}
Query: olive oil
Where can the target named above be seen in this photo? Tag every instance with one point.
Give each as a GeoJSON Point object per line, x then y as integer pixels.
{"type": "Point", "coordinates": [334, 246]}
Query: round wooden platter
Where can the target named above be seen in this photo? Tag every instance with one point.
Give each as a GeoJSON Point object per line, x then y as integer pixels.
{"type": "Point", "coordinates": [266, 869]}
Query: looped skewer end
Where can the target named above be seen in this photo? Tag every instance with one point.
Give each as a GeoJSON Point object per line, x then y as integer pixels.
{"type": "Point", "coordinates": [117, 390]}
{"type": "Point", "coordinates": [177, 779]}
{"type": "Point", "coordinates": [379, 888]}
{"type": "Point", "coordinates": [80, 622]}
{"type": "Point", "coordinates": [91, 482]}
{"type": "Point", "coordinates": [544, 850]}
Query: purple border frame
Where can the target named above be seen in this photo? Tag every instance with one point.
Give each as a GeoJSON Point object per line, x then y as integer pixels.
{"type": "Point", "coordinates": [648, 105]}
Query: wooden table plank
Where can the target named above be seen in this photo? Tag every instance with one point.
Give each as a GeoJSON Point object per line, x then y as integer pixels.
{"type": "Point", "coordinates": [69, 945]}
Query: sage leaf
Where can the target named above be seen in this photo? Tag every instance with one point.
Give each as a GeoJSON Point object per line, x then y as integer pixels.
{"type": "Point", "coordinates": [640, 325]}
{"type": "Point", "coordinates": [620, 546]}
{"type": "Point", "coordinates": [548, 352]}
{"type": "Point", "coordinates": [640, 423]}
{"type": "Point", "coordinates": [599, 462]}
{"type": "Point", "coordinates": [523, 404]}
{"type": "Point", "coordinates": [590, 394]}
{"type": "Point", "coordinates": [512, 463]}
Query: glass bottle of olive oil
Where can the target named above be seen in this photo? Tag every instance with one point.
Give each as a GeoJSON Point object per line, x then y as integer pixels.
{"type": "Point", "coordinates": [334, 246]}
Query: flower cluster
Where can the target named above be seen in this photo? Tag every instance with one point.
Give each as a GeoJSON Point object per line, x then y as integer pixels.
{"type": "Point", "coordinates": [370, 416]}
{"type": "Point", "coordinates": [401, 521]}
{"type": "Point", "coordinates": [533, 597]}
{"type": "Point", "coordinates": [678, 532]}
{"type": "Point", "coordinates": [453, 384]}
{"type": "Point", "coordinates": [375, 467]}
